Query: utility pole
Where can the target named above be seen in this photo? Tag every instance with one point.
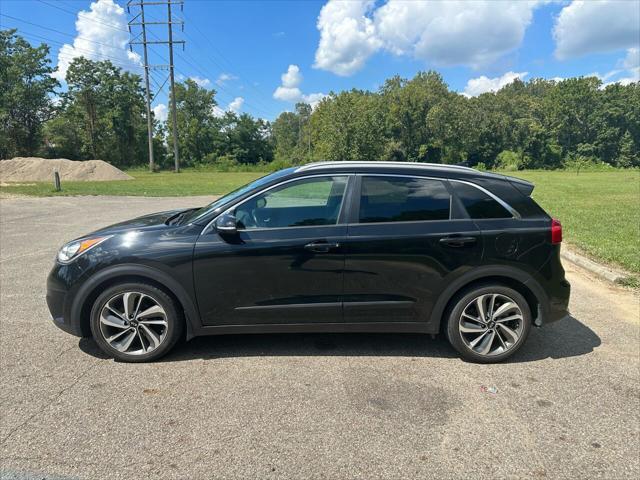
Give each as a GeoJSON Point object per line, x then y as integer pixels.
{"type": "Point", "coordinates": [174, 118]}
{"type": "Point", "coordinates": [147, 90]}
{"type": "Point", "coordinates": [145, 29]}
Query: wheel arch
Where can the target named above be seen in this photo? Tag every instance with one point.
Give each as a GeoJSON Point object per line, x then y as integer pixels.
{"type": "Point", "coordinates": [94, 285]}
{"type": "Point", "coordinates": [518, 280]}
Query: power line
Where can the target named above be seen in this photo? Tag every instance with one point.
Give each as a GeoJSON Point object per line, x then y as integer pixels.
{"type": "Point", "coordinates": [195, 66]}
{"type": "Point", "coordinates": [110, 25]}
{"type": "Point", "coordinates": [60, 32]}
{"type": "Point", "coordinates": [115, 60]}
{"type": "Point", "coordinates": [264, 108]}
{"type": "Point", "coordinates": [233, 67]}
{"type": "Point", "coordinates": [220, 88]}
{"type": "Point", "coordinates": [140, 20]}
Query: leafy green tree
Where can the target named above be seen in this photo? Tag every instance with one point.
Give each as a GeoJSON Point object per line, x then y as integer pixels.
{"type": "Point", "coordinates": [535, 124]}
{"type": "Point", "coordinates": [101, 115]}
{"type": "Point", "coordinates": [348, 126]}
{"type": "Point", "coordinates": [629, 152]}
{"type": "Point", "coordinates": [248, 138]}
{"type": "Point", "coordinates": [407, 105]}
{"type": "Point", "coordinates": [26, 89]}
{"type": "Point", "coordinates": [572, 107]}
{"type": "Point", "coordinates": [198, 128]}
{"type": "Point", "coordinates": [286, 135]}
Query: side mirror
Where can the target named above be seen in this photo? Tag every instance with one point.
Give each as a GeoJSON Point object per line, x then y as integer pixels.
{"type": "Point", "coordinates": [226, 223]}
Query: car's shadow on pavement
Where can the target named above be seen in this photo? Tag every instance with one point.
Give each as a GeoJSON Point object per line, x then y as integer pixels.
{"type": "Point", "coordinates": [566, 338]}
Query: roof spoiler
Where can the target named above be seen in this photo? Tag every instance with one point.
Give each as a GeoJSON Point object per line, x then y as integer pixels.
{"type": "Point", "coordinates": [521, 185]}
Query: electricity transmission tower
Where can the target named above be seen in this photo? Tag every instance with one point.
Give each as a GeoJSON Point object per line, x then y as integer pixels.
{"type": "Point", "coordinates": [143, 26]}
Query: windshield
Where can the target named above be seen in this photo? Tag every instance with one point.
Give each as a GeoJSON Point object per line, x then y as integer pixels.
{"type": "Point", "coordinates": [192, 217]}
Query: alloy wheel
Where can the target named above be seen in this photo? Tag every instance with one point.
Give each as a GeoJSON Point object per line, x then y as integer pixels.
{"type": "Point", "coordinates": [133, 323]}
{"type": "Point", "coordinates": [491, 324]}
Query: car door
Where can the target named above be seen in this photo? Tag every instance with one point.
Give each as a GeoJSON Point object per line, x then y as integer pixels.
{"type": "Point", "coordinates": [284, 265]}
{"type": "Point", "coordinates": [404, 242]}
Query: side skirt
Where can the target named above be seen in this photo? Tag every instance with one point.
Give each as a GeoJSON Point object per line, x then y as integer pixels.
{"type": "Point", "coordinates": [369, 327]}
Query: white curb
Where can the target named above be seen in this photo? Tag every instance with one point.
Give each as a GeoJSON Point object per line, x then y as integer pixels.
{"type": "Point", "coordinates": [602, 271]}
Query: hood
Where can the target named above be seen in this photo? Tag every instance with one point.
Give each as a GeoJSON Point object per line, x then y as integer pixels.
{"type": "Point", "coordinates": [146, 222]}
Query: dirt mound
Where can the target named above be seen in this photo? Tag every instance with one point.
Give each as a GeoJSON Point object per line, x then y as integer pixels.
{"type": "Point", "coordinates": [34, 169]}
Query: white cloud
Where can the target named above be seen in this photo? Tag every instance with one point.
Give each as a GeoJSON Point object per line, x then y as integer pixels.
{"type": "Point", "coordinates": [200, 81]}
{"type": "Point", "coordinates": [454, 32]}
{"type": "Point", "coordinates": [160, 112]}
{"type": "Point", "coordinates": [289, 90]}
{"type": "Point", "coordinates": [588, 26]}
{"type": "Point", "coordinates": [287, 94]}
{"type": "Point", "coordinates": [347, 36]}
{"type": "Point", "coordinates": [102, 35]}
{"type": "Point", "coordinates": [627, 73]}
{"type": "Point", "coordinates": [224, 78]}
{"type": "Point", "coordinates": [313, 99]}
{"type": "Point", "coordinates": [632, 60]}
{"type": "Point", "coordinates": [236, 104]}
{"type": "Point", "coordinates": [635, 77]}
{"type": "Point", "coordinates": [292, 77]}
{"type": "Point", "coordinates": [482, 84]}
{"type": "Point", "coordinates": [218, 112]}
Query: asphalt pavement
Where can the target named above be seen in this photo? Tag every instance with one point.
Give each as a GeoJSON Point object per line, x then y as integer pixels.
{"type": "Point", "coordinates": [304, 406]}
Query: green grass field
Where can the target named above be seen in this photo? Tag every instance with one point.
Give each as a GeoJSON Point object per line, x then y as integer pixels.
{"type": "Point", "coordinates": [599, 211]}
{"type": "Point", "coordinates": [160, 184]}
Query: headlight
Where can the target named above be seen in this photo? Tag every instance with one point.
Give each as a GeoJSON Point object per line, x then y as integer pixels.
{"type": "Point", "coordinates": [73, 250]}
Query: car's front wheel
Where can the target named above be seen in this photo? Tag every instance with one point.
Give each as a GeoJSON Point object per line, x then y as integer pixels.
{"type": "Point", "coordinates": [135, 322]}
{"type": "Point", "coordinates": [488, 324]}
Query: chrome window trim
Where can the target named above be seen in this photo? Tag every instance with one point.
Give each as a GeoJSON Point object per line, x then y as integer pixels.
{"type": "Point", "coordinates": [209, 226]}
{"type": "Point", "coordinates": [382, 164]}
{"type": "Point", "coordinates": [504, 204]}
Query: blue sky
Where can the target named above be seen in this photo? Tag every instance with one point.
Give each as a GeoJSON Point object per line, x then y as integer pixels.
{"type": "Point", "coordinates": [261, 57]}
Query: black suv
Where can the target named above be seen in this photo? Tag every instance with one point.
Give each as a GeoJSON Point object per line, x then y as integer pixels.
{"type": "Point", "coordinates": [326, 247]}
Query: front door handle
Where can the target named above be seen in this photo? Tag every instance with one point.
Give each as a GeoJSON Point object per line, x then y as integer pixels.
{"type": "Point", "coordinates": [456, 242]}
{"type": "Point", "coordinates": [321, 246]}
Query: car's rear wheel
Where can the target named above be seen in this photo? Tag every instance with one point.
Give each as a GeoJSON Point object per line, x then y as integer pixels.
{"type": "Point", "coordinates": [135, 322]}
{"type": "Point", "coordinates": [488, 324]}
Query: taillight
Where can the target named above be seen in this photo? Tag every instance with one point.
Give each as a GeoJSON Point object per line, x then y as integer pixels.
{"type": "Point", "coordinates": [556, 232]}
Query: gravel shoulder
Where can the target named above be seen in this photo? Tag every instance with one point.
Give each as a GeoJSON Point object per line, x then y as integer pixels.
{"type": "Point", "coordinates": [304, 406]}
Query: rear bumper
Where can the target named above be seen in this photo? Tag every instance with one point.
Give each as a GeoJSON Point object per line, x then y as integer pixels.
{"type": "Point", "coordinates": [558, 302]}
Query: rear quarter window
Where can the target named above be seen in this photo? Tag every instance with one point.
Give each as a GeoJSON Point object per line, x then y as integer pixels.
{"type": "Point", "coordinates": [478, 204]}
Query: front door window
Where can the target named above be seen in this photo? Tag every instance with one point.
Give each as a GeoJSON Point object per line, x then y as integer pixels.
{"type": "Point", "coordinates": [307, 202]}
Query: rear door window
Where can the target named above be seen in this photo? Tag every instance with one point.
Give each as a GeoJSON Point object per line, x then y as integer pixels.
{"type": "Point", "coordinates": [403, 199]}
{"type": "Point", "coordinates": [478, 204]}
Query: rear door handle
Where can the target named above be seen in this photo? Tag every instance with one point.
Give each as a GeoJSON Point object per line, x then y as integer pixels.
{"type": "Point", "coordinates": [458, 241]}
{"type": "Point", "coordinates": [321, 246]}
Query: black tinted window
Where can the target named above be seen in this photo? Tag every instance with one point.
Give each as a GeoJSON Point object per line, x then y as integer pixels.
{"type": "Point", "coordinates": [479, 204]}
{"type": "Point", "coordinates": [400, 199]}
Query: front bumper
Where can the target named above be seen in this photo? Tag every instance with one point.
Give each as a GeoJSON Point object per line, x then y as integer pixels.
{"type": "Point", "coordinates": [59, 301]}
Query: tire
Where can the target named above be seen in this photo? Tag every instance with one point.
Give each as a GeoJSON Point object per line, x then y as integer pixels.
{"type": "Point", "coordinates": [498, 336]}
{"type": "Point", "coordinates": [143, 331]}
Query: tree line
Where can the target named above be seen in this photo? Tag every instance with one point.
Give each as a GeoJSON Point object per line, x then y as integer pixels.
{"type": "Point", "coordinates": [101, 114]}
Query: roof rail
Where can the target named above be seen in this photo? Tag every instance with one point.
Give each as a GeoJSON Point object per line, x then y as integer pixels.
{"type": "Point", "coordinates": [311, 166]}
